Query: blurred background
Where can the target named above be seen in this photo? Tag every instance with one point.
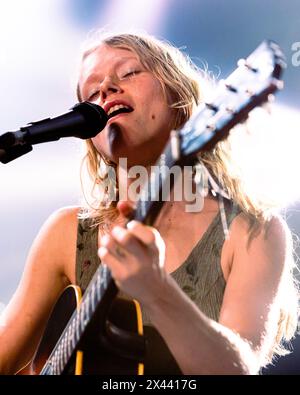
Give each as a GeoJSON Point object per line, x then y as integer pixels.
{"type": "Point", "coordinates": [40, 43]}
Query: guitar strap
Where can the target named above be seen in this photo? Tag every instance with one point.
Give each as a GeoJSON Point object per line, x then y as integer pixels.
{"type": "Point", "coordinates": [206, 183]}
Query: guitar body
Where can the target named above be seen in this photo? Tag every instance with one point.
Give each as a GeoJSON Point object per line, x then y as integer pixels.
{"type": "Point", "coordinates": [98, 353]}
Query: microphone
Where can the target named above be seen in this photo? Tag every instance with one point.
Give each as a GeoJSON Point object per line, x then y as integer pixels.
{"type": "Point", "coordinates": [85, 120]}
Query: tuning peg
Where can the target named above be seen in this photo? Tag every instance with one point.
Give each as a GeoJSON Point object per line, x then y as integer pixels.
{"type": "Point", "coordinates": [212, 107]}
{"type": "Point", "coordinates": [278, 83]}
{"type": "Point", "coordinates": [243, 63]}
{"type": "Point", "coordinates": [231, 88]}
{"type": "Point", "coordinates": [271, 98]}
{"type": "Point", "coordinates": [211, 126]}
{"type": "Point", "coordinates": [228, 86]}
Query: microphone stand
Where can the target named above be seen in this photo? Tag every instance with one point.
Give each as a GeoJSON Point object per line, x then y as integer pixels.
{"type": "Point", "coordinates": [85, 120]}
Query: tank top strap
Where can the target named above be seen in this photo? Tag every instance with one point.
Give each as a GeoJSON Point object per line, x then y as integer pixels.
{"type": "Point", "coordinates": [87, 260]}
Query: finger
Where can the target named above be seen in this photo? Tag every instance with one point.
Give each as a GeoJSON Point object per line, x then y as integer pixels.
{"type": "Point", "coordinates": [117, 269]}
{"type": "Point", "coordinates": [126, 208]}
{"type": "Point", "coordinates": [114, 248]}
{"type": "Point", "coordinates": [146, 234]}
{"type": "Point", "coordinates": [150, 237]}
{"type": "Point", "coordinates": [127, 240]}
{"type": "Point", "coordinates": [122, 244]}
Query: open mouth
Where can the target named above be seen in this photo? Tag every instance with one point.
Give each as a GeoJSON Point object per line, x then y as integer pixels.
{"type": "Point", "coordinates": [121, 110]}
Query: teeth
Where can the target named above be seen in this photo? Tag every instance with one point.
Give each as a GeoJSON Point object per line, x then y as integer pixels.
{"type": "Point", "coordinates": [117, 107]}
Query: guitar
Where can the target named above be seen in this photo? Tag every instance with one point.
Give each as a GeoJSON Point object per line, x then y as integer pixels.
{"type": "Point", "coordinates": [101, 332]}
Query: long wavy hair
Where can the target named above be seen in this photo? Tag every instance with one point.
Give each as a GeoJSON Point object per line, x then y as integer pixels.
{"type": "Point", "coordinates": [184, 86]}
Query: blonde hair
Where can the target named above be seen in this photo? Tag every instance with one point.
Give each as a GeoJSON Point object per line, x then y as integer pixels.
{"type": "Point", "coordinates": [182, 83]}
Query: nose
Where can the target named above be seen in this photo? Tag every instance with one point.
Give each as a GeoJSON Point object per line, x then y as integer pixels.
{"type": "Point", "coordinates": [107, 87]}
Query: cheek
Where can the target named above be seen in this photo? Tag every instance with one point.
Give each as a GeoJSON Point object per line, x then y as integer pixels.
{"type": "Point", "coordinates": [159, 112]}
{"type": "Point", "coordinates": [150, 95]}
{"type": "Point", "coordinates": [156, 104]}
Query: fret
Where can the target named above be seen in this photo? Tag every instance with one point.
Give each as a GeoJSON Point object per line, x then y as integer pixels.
{"type": "Point", "coordinates": [69, 339]}
{"type": "Point", "coordinates": [49, 370]}
{"type": "Point", "coordinates": [103, 278]}
{"type": "Point", "coordinates": [82, 320]}
{"type": "Point", "coordinates": [62, 345]}
{"type": "Point", "coordinates": [77, 326]}
{"type": "Point", "coordinates": [59, 357]}
{"type": "Point", "coordinates": [45, 369]}
{"type": "Point", "coordinates": [73, 332]}
{"type": "Point", "coordinates": [55, 367]}
{"type": "Point", "coordinates": [53, 364]}
{"type": "Point", "coordinates": [98, 286]}
{"type": "Point", "coordinates": [64, 351]}
{"type": "Point", "coordinates": [87, 309]}
{"type": "Point", "coordinates": [56, 360]}
{"type": "Point", "coordinates": [93, 296]}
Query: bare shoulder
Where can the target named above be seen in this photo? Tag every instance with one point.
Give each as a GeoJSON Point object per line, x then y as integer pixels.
{"type": "Point", "coordinates": [64, 216]}
{"type": "Point", "coordinates": [273, 235]}
{"type": "Point", "coordinates": [55, 246]}
{"type": "Point", "coordinates": [53, 250]}
{"type": "Point", "coordinates": [265, 244]}
{"type": "Point", "coordinates": [263, 252]}
{"type": "Point", "coordinates": [60, 229]}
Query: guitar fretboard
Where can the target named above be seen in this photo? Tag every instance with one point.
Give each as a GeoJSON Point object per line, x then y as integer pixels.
{"type": "Point", "coordinates": [77, 325]}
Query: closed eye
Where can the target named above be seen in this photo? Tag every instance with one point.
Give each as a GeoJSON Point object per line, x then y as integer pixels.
{"type": "Point", "coordinates": [93, 95]}
{"type": "Point", "coordinates": [131, 73]}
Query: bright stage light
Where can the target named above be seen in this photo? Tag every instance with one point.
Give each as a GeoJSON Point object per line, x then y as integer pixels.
{"type": "Point", "coordinates": [134, 14]}
{"type": "Point", "coordinates": [270, 154]}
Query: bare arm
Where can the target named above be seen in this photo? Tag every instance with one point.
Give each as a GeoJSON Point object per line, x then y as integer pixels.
{"type": "Point", "coordinates": [43, 279]}
{"type": "Point", "coordinates": [249, 314]}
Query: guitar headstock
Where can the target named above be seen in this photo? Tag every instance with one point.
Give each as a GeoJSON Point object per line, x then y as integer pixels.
{"type": "Point", "coordinates": [250, 85]}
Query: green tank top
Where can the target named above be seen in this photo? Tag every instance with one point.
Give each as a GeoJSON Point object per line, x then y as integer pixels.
{"type": "Point", "coordinates": [200, 276]}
